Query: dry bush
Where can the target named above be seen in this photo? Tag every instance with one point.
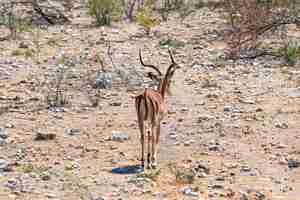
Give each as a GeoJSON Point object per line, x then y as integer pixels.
{"type": "Point", "coordinates": [250, 20]}
{"type": "Point", "coordinates": [56, 96]}
{"type": "Point", "coordinates": [20, 16]}
{"type": "Point", "coordinates": [10, 19]}
{"type": "Point", "coordinates": [129, 7]}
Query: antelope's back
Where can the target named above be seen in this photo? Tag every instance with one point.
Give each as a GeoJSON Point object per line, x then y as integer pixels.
{"type": "Point", "coordinates": [149, 105]}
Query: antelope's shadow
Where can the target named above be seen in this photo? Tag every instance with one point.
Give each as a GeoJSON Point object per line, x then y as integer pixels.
{"type": "Point", "coordinates": [129, 169]}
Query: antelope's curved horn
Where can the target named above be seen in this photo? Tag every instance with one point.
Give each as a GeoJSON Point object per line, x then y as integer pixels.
{"type": "Point", "coordinates": [150, 66]}
{"type": "Point", "coordinates": [171, 56]}
{"type": "Point", "coordinates": [173, 65]}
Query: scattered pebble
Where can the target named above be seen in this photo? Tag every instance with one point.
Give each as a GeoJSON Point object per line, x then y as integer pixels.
{"type": "Point", "coordinates": [4, 165]}
{"type": "Point", "coordinates": [44, 136]}
{"type": "Point", "coordinates": [245, 169]}
{"type": "Point", "coordinates": [184, 109]}
{"type": "Point", "coordinates": [214, 147]}
{"type": "Point", "coordinates": [216, 186]}
{"type": "Point", "coordinates": [103, 81]}
{"type": "Point", "coordinates": [45, 176]}
{"type": "Point", "coordinates": [57, 109]}
{"type": "Point", "coordinates": [292, 163]}
{"type": "Point", "coordinates": [227, 108]}
{"type": "Point", "coordinates": [116, 104]}
{"type": "Point", "coordinates": [247, 101]}
{"type": "Point", "coordinates": [294, 92]}
{"type": "Point", "coordinates": [201, 167]}
{"type": "Point", "coordinates": [72, 131]}
{"type": "Point", "coordinates": [202, 118]}
{"type": "Point", "coordinates": [119, 136]}
{"type": "Point", "coordinates": [188, 191]}
{"type": "Point", "coordinates": [8, 125]}
{"type": "Point", "coordinates": [281, 125]}
{"type": "Point", "coordinates": [12, 184]}
{"type": "Point", "coordinates": [173, 135]}
{"type": "Point", "coordinates": [3, 133]}
{"type": "Point", "coordinates": [2, 142]}
{"type": "Point", "coordinates": [23, 45]}
{"type": "Point", "coordinates": [50, 195]}
{"type": "Point", "coordinates": [188, 142]}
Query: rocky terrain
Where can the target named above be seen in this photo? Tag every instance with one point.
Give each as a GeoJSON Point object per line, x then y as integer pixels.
{"type": "Point", "coordinates": [232, 130]}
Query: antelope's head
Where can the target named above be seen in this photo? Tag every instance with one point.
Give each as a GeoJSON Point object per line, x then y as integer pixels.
{"type": "Point", "coordinates": [163, 80]}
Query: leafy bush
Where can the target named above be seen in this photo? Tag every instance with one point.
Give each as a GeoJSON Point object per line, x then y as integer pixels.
{"type": "Point", "coordinates": [146, 20]}
{"type": "Point", "coordinates": [103, 10]}
{"type": "Point", "coordinates": [291, 52]}
{"type": "Point", "coordinates": [15, 25]}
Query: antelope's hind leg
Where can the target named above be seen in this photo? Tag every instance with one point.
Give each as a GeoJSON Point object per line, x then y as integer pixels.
{"type": "Point", "coordinates": [148, 149]}
{"type": "Point", "coordinates": [142, 140]}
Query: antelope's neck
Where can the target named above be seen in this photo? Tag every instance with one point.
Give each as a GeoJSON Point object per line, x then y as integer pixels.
{"type": "Point", "coordinates": [163, 87]}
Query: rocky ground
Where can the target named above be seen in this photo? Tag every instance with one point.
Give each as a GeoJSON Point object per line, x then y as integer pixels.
{"type": "Point", "coordinates": [232, 131]}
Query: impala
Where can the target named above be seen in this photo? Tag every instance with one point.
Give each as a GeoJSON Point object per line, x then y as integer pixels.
{"type": "Point", "coordinates": [151, 108]}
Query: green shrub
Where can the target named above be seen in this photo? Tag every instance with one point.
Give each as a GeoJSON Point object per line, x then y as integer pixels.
{"type": "Point", "coordinates": [169, 42]}
{"type": "Point", "coordinates": [104, 11]}
{"type": "Point", "coordinates": [15, 25]}
{"type": "Point", "coordinates": [291, 52]}
{"type": "Point", "coordinates": [146, 20]}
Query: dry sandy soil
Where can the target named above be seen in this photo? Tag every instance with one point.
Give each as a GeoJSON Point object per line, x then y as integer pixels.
{"type": "Point", "coordinates": [232, 128]}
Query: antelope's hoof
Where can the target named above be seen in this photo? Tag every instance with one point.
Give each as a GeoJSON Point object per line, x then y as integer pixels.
{"type": "Point", "coordinates": [154, 165]}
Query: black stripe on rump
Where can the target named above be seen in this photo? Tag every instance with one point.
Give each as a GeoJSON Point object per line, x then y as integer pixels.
{"type": "Point", "coordinates": [146, 107]}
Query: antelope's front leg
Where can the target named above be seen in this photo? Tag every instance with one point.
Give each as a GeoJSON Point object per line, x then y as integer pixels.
{"type": "Point", "coordinates": [153, 142]}
{"type": "Point", "coordinates": [142, 140]}
{"type": "Point", "coordinates": [148, 148]}
{"type": "Point", "coordinates": [143, 147]}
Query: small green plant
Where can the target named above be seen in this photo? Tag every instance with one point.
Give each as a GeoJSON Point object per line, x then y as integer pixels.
{"type": "Point", "coordinates": [182, 174]}
{"type": "Point", "coordinates": [291, 52]}
{"type": "Point", "coordinates": [42, 171]}
{"type": "Point", "coordinates": [151, 174]}
{"type": "Point", "coordinates": [146, 20]}
{"type": "Point", "coordinates": [104, 11]}
{"type": "Point", "coordinates": [55, 96]}
{"type": "Point", "coordinates": [17, 52]}
{"type": "Point", "coordinates": [23, 52]}
{"type": "Point", "coordinates": [27, 168]}
{"type": "Point", "coordinates": [169, 42]}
